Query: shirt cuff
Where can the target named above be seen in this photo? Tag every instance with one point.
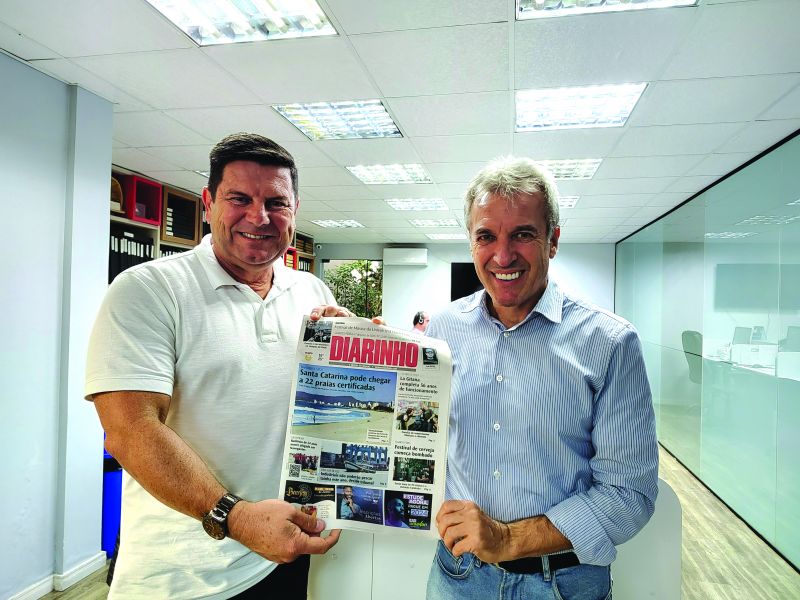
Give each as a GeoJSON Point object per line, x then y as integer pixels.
{"type": "Point", "coordinates": [575, 520]}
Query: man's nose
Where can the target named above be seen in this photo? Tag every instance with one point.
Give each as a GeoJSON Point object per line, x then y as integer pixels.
{"type": "Point", "coordinates": [257, 214]}
{"type": "Point", "coordinates": [504, 253]}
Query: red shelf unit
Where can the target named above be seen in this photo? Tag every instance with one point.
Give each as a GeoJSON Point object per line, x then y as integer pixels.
{"type": "Point", "coordinates": [142, 199]}
{"type": "Point", "coordinates": [290, 258]}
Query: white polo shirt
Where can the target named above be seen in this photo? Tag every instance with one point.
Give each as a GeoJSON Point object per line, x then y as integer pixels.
{"type": "Point", "coordinates": [183, 326]}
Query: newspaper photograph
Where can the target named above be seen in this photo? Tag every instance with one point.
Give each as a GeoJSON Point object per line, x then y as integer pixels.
{"type": "Point", "coordinates": [366, 441]}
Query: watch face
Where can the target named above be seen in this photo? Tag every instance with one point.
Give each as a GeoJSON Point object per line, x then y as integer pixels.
{"type": "Point", "coordinates": [213, 527]}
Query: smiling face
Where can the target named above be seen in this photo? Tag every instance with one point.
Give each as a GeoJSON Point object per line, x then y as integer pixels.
{"type": "Point", "coordinates": [511, 252]}
{"type": "Point", "coordinates": [251, 218]}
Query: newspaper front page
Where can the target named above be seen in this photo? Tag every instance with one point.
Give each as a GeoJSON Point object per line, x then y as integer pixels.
{"type": "Point", "coordinates": [366, 441]}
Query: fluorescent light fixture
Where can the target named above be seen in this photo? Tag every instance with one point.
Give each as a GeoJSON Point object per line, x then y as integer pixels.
{"type": "Point", "coordinates": [583, 168]}
{"type": "Point", "coordinates": [203, 173]}
{"type": "Point", "coordinates": [340, 224]}
{"type": "Point", "coordinates": [576, 107]}
{"type": "Point", "coordinates": [434, 222]}
{"type": "Point", "coordinates": [447, 236]}
{"type": "Point", "coordinates": [568, 201]}
{"type": "Point", "coordinates": [417, 204]}
{"type": "Point", "coordinates": [210, 22]}
{"type": "Point", "coordinates": [795, 203]}
{"type": "Point", "coordinates": [340, 120]}
{"type": "Point", "coordinates": [538, 9]}
{"type": "Point", "coordinates": [728, 235]}
{"type": "Point", "coordinates": [390, 174]}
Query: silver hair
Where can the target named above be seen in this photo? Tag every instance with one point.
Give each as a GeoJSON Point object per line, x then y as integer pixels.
{"type": "Point", "coordinates": [510, 176]}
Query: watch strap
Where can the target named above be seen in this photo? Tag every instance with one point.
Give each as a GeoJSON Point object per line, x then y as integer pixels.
{"type": "Point", "coordinates": [222, 508]}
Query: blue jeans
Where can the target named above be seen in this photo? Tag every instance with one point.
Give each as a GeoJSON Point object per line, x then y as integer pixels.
{"type": "Point", "coordinates": [469, 578]}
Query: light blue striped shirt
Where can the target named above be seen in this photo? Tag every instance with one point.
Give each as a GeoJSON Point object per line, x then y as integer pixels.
{"type": "Point", "coordinates": [552, 416]}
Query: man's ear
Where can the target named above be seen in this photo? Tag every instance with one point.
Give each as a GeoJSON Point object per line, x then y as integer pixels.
{"type": "Point", "coordinates": [208, 199]}
{"type": "Point", "coordinates": [554, 242]}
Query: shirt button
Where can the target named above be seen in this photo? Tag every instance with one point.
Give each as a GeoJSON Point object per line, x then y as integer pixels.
{"type": "Point", "coordinates": [499, 378]}
{"type": "Point", "coordinates": [497, 426]}
{"type": "Point", "coordinates": [496, 474]}
{"type": "Point", "coordinates": [506, 334]}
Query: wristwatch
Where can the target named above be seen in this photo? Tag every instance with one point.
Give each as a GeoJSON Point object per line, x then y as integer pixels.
{"type": "Point", "coordinates": [215, 521]}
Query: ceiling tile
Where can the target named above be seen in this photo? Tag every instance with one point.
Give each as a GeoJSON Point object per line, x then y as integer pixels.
{"type": "Point", "coordinates": [581, 212]}
{"type": "Point", "coordinates": [691, 185]}
{"type": "Point", "coordinates": [17, 44]}
{"type": "Point", "coordinates": [69, 72]}
{"type": "Point", "coordinates": [626, 201]}
{"type": "Point", "coordinates": [324, 176]}
{"type": "Point", "coordinates": [182, 179]}
{"type": "Point", "coordinates": [136, 160]}
{"type": "Point", "coordinates": [646, 166]}
{"type": "Point", "coordinates": [757, 137]}
{"type": "Point", "coordinates": [567, 143]}
{"type": "Point", "coordinates": [297, 70]}
{"type": "Point", "coordinates": [675, 139]}
{"type": "Point", "coordinates": [170, 79]}
{"type": "Point", "coordinates": [710, 100]}
{"type": "Point", "coordinates": [406, 190]}
{"type": "Point", "coordinates": [88, 27]}
{"type": "Point", "coordinates": [451, 60]}
{"type": "Point", "coordinates": [306, 154]}
{"type": "Point", "coordinates": [331, 193]}
{"type": "Point", "coordinates": [152, 128]}
{"type": "Point", "coordinates": [454, 172]}
{"type": "Point", "coordinates": [641, 185]}
{"type": "Point", "coordinates": [451, 114]}
{"type": "Point", "coordinates": [787, 107]}
{"type": "Point", "coordinates": [463, 148]}
{"type": "Point", "coordinates": [668, 199]}
{"type": "Point", "coordinates": [356, 16]}
{"type": "Point", "coordinates": [623, 47]}
{"type": "Point", "coordinates": [723, 41]}
{"type": "Point", "coordinates": [369, 151]}
{"type": "Point", "coordinates": [720, 164]}
{"type": "Point", "coordinates": [368, 205]}
{"type": "Point", "coordinates": [216, 123]}
{"type": "Point", "coordinates": [193, 158]}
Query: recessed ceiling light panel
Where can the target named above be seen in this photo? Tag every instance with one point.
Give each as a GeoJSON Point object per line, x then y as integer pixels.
{"type": "Point", "coordinates": [390, 174]}
{"type": "Point", "coordinates": [583, 168]}
{"type": "Point", "coordinates": [434, 222]}
{"type": "Point", "coordinates": [576, 107]}
{"type": "Point", "coordinates": [769, 220]}
{"type": "Point", "coordinates": [340, 120]}
{"type": "Point", "coordinates": [340, 224]}
{"type": "Point", "coordinates": [210, 22]}
{"type": "Point", "coordinates": [538, 9]}
{"type": "Point", "coordinates": [417, 204]}
{"type": "Point", "coordinates": [447, 236]}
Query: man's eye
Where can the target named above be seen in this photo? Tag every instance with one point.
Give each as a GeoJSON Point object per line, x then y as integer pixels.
{"type": "Point", "coordinates": [483, 238]}
{"type": "Point", "coordinates": [278, 205]}
{"type": "Point", "coordinates": [239, 200]}
{"type": "Point", "coordinates": [524, 236]}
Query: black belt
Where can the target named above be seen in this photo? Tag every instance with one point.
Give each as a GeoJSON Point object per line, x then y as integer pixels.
{"type": "Point", "coordinates": [533, 564]}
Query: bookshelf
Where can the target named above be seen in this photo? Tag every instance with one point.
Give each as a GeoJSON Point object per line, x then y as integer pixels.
{"type": "Point", "coordinates": [306, 260]}
{"type": "Point", "coordinates": [180, 217]}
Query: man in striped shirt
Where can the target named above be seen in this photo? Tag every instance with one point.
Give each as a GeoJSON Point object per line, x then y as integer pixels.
{"type": "Point", "coordinates": [552, 454]}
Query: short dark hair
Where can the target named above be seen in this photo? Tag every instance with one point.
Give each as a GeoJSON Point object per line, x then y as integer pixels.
{"type": "Point", "coordinates": [252, 147]}
{"type": "Point", "coordinates": [419, 318]}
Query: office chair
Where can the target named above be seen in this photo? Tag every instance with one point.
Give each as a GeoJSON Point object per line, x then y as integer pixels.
{"type": "Point", "coordinates": [693, 351]}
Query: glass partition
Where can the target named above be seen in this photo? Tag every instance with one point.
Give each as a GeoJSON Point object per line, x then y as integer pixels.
{"type": "Point", "coordinates": [714, 289]}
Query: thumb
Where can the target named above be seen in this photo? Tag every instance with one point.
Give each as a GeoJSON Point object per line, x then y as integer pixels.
{"type": "Point", "coordinates": [308, 523]}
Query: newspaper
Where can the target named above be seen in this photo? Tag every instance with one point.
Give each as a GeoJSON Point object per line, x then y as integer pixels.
{"type": "Point", "coordinates": [366, 439]}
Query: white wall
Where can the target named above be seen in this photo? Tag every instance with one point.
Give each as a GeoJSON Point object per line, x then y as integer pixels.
{"type": "Point", "coordinates": [56, 160]}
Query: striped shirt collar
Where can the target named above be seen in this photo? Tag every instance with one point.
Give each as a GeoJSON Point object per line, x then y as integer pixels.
{"type": "Point", "coordinates": [550, 305]}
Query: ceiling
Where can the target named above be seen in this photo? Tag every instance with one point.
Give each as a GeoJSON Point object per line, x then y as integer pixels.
{"type": "Point", "coordinates": [723, 85]}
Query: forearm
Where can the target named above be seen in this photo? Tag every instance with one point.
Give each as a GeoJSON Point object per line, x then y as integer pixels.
{"type": "Point", "coordinates": [167, 468]}
{"type": "Point", "coordinates": [534, 536]}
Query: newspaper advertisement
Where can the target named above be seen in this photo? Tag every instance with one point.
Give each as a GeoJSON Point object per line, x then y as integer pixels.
{"type": "Point", "coordinates": [366, 441]}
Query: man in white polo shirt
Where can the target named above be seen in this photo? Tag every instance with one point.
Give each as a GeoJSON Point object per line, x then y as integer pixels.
{"type": "Point", "coordinates": [190, 371]}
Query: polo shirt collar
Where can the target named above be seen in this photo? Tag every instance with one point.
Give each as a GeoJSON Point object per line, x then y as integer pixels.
{"type": "Point", "coordinates": [219, 277]}
{"type": "Point", "coordinates": [550, 305]}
